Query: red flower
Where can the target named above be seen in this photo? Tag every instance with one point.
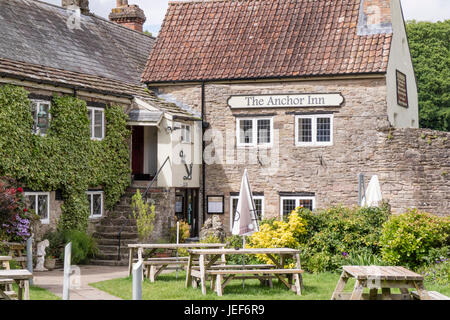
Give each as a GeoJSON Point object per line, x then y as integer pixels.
{"type": "Point", "coordinates": [25, 210]}
{"type": "Point", "coordinates": [19, 189]}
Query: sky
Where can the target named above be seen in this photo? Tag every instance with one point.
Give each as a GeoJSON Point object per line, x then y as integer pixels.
{"type": "Point", "coordinates": [155, 10]}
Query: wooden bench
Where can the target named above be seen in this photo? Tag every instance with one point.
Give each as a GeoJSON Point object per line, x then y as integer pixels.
{"type": "Point", "coordinates": [262, 274]}
{"type": "Point", "coordinates": [151, 265]}
{"type": "Point", "coordinates": [154, 266]}
{"type": "Point", "coordinates": [268, 281]}
{"type": "Point", "coordinates": [6, 284]}
{"type": "Point", "coordinates": [433, 295]}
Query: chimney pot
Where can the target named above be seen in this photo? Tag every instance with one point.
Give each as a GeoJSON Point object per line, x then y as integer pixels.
{"type": "Point", "coordinates": [82, 4]}
{"type": "Point", "coordinates": [130, 16]}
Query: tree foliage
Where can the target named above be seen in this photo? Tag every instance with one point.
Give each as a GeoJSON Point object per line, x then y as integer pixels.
{"type": "Point", "coordinates": [430, 50]}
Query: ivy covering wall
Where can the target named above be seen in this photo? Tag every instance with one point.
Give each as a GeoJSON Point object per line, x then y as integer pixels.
{"type": "Point", "coordinates": [66, 158]}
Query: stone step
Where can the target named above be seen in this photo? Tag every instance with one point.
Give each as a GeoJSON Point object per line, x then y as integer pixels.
{"type": "Point", "coordinates": [112, 255]}
{"type": "Point", "coordinates": [116, 228]}
{"type": "Point", "coordinates": [117, 222]}
{"type": "Point", "coordinates": [115, 242]}
{"type": "Point", "coordinates": [114, 235]}
{"type": "Point", "coordinates": [112, 248]}
{"type": "Point", "coordinates": [112, 263]}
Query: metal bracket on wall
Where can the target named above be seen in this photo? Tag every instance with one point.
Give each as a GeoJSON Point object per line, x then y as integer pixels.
{"type": "Point", "coordinates": [189, 171]}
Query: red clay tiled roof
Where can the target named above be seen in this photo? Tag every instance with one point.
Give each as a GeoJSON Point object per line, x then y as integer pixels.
{"type": "Point", "coordinates": [248, 39]}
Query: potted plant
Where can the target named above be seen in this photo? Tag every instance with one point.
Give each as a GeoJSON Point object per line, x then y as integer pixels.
{"type": "Point", "coordinates": [50, 262]}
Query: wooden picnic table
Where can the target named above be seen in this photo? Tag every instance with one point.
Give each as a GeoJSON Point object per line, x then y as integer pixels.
{"type": "Point", "coordinates": [379, 277]}
{"type": "Point", "coordinates": [140, 247]}
{"type": "Point", "coordinates": [207, 268]}
{"type": "Point", "coordinates": [22, 277]}
{"type": "Point", "coordinates": [17, 252]}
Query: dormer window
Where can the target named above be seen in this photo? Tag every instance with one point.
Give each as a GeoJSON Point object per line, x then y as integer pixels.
{"type": "Point", "coordinates": [40, 110]}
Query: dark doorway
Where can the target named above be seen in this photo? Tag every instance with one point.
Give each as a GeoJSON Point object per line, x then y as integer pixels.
{"type": "Point", "coordinates": [137, 158]}
{"type": "Point", "coordinates": [186, 208]}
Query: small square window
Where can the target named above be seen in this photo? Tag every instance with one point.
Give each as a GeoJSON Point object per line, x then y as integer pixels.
{"type": "Point", "coordinates": [40, 111]}
{"type": "Point", "coordinates": [259, 204]}
{"type": "Point", "coordinates": [97, 123]}
{"type": "Point", "coordinates": [254, 132]}
{"type": "Point", "coordinates": [185, 133]}
{"type": "Point", "coordinates": [39, 202]}
{"type": "Point", "coordinates": [95, 199]}
{"type": "Point", "coordinates": [288, 204]}
{"type": "Point", "coordinates": [314, 130]}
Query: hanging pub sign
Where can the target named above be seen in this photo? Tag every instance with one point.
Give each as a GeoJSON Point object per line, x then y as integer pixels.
{"type": "Point", "coordinates": [402, 92]}
{"type": "Point", "coordinates": [286, 100]}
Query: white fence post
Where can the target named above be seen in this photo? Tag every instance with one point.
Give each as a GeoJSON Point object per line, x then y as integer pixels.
{"type": "Point", "coordinates": [137, 280]}
{"type": "Point", "coordinates": [30, 256]}
{"type": "Point", "coordinates": [67, 261]}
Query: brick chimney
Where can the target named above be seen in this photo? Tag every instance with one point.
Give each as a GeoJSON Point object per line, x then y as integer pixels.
{"type": "Point", "coordinates": [82, 4]}
{"type": "Point", "coordinates": [374, 17]}
{"type": "Point", "coordinates": [130, 16]}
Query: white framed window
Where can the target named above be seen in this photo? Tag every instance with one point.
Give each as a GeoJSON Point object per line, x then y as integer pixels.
{"type": "Point", "coordinates": [314, 130]}
{"type": "Point", "coordinates": [259, 203]}
{"type": "Point", "coordinates": [95, 199]}
{"type": "Point", "coordinates": [97, 123]}
{"type": "Point", "coordinates": [40, 110]}
{"type": "Point", "coordinates": [288, 204]}
{"type": "Point", "coordinates": [185, 134]}
{"type": "Point", "coordinates": [39, 202]}
{"type": "Point", "coordinates": [254, 132]}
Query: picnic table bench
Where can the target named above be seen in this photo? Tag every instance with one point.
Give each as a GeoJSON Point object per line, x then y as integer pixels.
{"type": "Point", "coordinates": [379, 277]}
{"type": "Point", "coordinates": [22, 277]}
{"type": "Point", "coordinates": [16, 252]}
{"type": "Point", "coordinates": [154, 266]}
{"type": "Point", "coordinates": [226, 274]}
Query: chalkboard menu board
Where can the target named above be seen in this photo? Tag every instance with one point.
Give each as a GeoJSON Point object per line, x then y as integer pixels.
{"type": "Point", "coordinates": [402, 92]}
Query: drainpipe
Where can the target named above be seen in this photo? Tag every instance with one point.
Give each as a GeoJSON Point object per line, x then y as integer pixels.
{"type": "Point", "coordinates": [204, 125]}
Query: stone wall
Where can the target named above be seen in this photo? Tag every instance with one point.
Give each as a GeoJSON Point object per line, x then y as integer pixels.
{"type": "Point", "coordinates": [413, 166]}
{"type": "Point", "coordinates": [412, 172]}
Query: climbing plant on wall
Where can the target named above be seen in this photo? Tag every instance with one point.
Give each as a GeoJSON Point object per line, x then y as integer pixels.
{"type": "Point", "coordinates": [66, 158]}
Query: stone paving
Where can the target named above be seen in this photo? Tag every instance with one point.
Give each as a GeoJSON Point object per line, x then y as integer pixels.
{"type": "Point", "coordinates": [53, 281]}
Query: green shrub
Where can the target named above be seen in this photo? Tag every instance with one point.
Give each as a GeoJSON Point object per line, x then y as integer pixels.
{"type": "Point", "coordinates": [409, 238]}
{"type": "Point", "coordinates": [337, 234]}
{"type": "Point", "coordinates": [83, 246]}
{"type": "Point", "coordinates": [144, 214]}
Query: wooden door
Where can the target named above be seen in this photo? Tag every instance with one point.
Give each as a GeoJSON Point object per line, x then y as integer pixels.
{"type": "Point", "coordinates": [137, 158]}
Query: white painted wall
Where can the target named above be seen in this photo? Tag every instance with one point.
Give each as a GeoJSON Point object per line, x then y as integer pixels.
{"type": "Point", "coordinates": [169, 145]}
{"type": "Point", "coordinates": [400, 59]}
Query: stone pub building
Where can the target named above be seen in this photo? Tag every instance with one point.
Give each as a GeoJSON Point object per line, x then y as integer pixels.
{"type": "Point", "coordinates": [305, 95]}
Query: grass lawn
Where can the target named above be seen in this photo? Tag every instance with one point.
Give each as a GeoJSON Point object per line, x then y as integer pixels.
{"type": "Point", "coordinates": [37, 293]}
{"type": "Point", "coordinates": [167, 287]}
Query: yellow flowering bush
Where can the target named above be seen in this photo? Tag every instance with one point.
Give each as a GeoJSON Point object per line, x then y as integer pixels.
{"type": "Point", "coordinates": [278, 234]}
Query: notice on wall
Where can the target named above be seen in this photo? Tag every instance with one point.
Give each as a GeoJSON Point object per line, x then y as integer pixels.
{"type": "Point", "coordinates": [215, 204]}
{"type": "Point", "coordinates": [286, 100]}
{"type": "Point", "coordinates": [402, 92]}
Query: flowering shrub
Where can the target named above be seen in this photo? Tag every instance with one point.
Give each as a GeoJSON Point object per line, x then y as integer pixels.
{"type": "Point", "coordinates": [438, 272]}
{"type": "Point", "coordinates": [409, 238]}
{"type": "Point", "coordinates": [278, 234]}
{"type": "Point", "coordinates": [338, 235]}
{"type": "Point", "coordinates": [15, 219]}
